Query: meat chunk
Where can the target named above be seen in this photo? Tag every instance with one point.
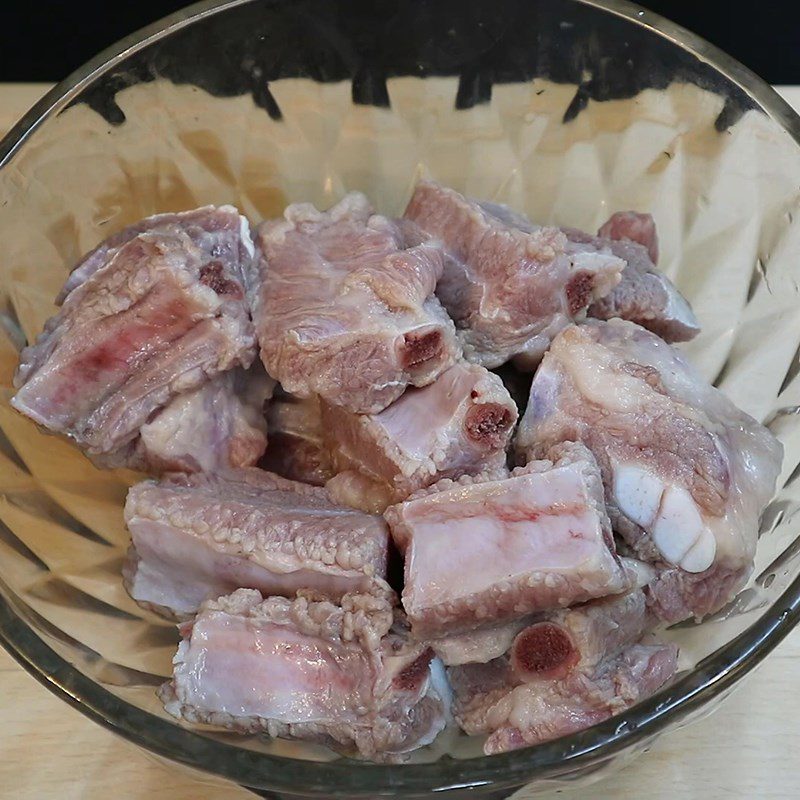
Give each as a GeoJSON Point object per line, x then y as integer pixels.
{"type": "Point", "coordinates": [145, 327]}
{"type": "Point", "coordinates": [219, 425]}
{"type": "Point", "coordinates": [566, 671]}
{"type": "Point", "coordinates": [345, 310]}
{"type": "Point", "coordinates": [594, 626]}
{"type": "Point", "coordinates": [219, 232]}
{"type": "Point", "coordinates": [509, 287]}
{"type": "Point", "coordinates": [490, 699]}
{"type": "Point", "coordinates": [200, 536]}
{"type": "Point", "coordinates": [686, 473]}
{"type": "Point", "coordinates": [460, 424]}
{"type": "Point", "coordinates": [635, 227]}
{"type": "Point", "coordinates": [644, 295]}
{"type": "Point", "coordinates": [341, 675]}
{"type": "Point", "coordinates": [296, 450]}
{"type": "Point", "coordinates": [498, 547]}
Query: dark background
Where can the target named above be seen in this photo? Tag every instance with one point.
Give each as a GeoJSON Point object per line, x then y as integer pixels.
{"type": "Point", "coordinates": [45, 40]}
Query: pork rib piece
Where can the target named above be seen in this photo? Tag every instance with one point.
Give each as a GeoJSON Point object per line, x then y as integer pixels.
{"type": "Point", "coordinates": [686, 473]}
{"type": "Point", "coordinates": [490, 699]}
{"type": "Point", "coordinates": [200, 536]}
{"type": "Point", "coordinates": [219, 425]}
{"type": "Point", "coordinates": [567, 671]}
{"type": "Point", "coordinates": [460, 424]}
{"type": "Point", "coordinates": [220, 232]}
{"type": "Point", "coordinates": [594, 625]}
{"type": "Point", "coordinates": [509, 287]}
{"type": "Point", "coordinates": [160, 318]}
{"type": "Point", "coordinates": [341, 675]}
{"type": "Point", "coordinates": [644, 295]}
{"type": "Point", "coordinates": [345, 310]}
{"type": "Point", "coordinates": [296, 450]}
{"type": "Point", "coordinates": [498, 547]}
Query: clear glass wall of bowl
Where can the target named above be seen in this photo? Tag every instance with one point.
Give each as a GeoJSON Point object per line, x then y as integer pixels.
{"type": "Point", "coordinates": [567, 111]}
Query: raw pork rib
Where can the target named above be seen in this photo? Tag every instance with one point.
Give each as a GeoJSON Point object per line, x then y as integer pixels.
{"type": "Point", "coordinates": [498, 547]}
{"type": "Point", "coordinates": [341, 675]}
{"type": "Point", "coordinates": [567, 671]}
{"type": "Point", "coordinates": [160, 318]}
{"type": "Point", "coordinates": [487, 643]}
{"type": "Point", "coordinates": [200, 536]}
{"type": "Point", "coordinates": [460, 424]}
{"type": "Point", "coordinates": [510, 289]}
{"type": "Point", "coordinates": [295, 447]}
{"type": "Point", "coordinates": [644, 295]}
{"type": "Point", "coordinates": [220, 232]}
{"type": "Point", "coordinates": [344, 310]}
{"type": "Point", "coordinates": [686, 473]}
{"type": "Point", "coordinates": [219, 425]}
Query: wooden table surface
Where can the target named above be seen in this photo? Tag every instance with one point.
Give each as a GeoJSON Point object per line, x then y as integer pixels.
{"type": "Point", "coordinates": [743, 750]}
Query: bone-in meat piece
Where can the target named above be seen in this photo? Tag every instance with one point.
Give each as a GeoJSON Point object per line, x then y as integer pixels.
{"type": "Point", "coordinates": [498, 547]}
{"type": "Point", "coordinates": [589, 629]}
{"type": "Point", "coordinates": [220, 232]}
{"type": "Point", "coordinates": [219, 425]}
{"type": "Point", "coordinates": [686, 473]}
{"type": "Point", "coordinates": [510, 289]}
{"type": "Point", "coordinates": [566, 671]}
{"type": "Point", "coordinates": [644, 295]}
{"type": "Point", "coordinates": [345, 310]}
{"type": "Point", "coordinates": [489, 698]}
{"type": "Point", "coordinates": [459, 425]}
{"type": "Point", "coordinates": [159, 318]}
{"type": "Point", "coordinates": [296, 449]}
{"type": "Point", "coordinates": [341, 675]}
{"type": "Point", "coordinates": [200, 536]}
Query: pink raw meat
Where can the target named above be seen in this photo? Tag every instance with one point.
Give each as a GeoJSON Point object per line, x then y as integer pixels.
{"type": "Point", "coordinates": [219, 425]}
{"type": "Point", "coordinates": [338, 674]}
{"type": "Point", "coordinates": [509, 287]}
{"type": "Point", "coordinates": [686, 473]}
{"type": "Point", "coordinates": [200, 536]}
{"type": "Point", "coordinates": [460, 424]}
{"type": "Point", "coordinates": [345, 310]}
{"type": "Point", "coordinates": [156, 320]}
{"type": "Point", "coordinates": [498, 547]}
{"type": "Point", "coordinates": [565, 672]}
{"type": "Point", "coordinates": [295, 449]}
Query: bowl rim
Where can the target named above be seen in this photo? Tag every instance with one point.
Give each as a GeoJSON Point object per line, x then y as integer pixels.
{"type": "Point", "coordinates": [712, 677]}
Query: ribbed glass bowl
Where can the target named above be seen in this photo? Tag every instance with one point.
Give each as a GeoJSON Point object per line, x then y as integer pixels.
{"type": "Point", "coordinates": [566, 110]}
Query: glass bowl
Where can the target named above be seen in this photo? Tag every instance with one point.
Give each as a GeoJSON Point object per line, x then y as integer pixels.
{"type": "Point", "coordinates": [566, 110]}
